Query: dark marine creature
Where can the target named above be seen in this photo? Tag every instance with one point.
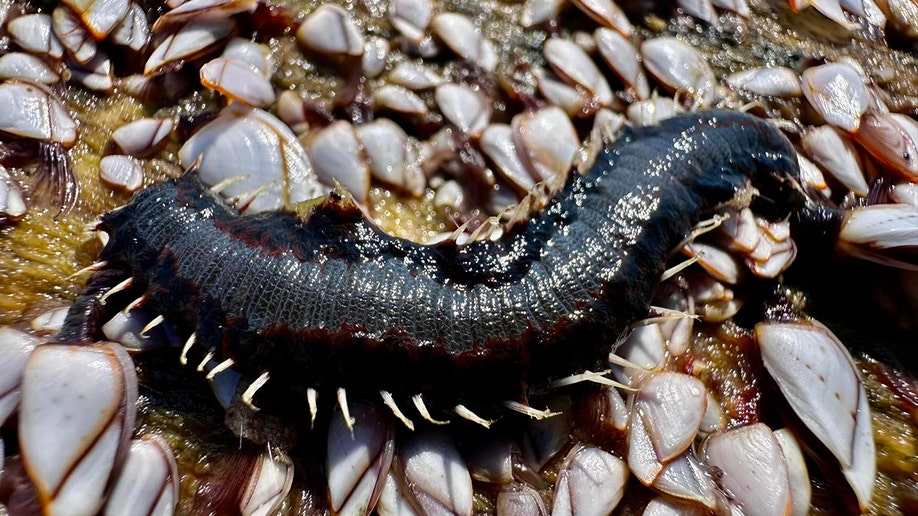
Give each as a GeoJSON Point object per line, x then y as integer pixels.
{"type": "Point", "coordinates": [333, 302]}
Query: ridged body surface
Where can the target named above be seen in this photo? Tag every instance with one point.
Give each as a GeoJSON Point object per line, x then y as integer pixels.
{"type": "Point", "coordinates": [333, 302]}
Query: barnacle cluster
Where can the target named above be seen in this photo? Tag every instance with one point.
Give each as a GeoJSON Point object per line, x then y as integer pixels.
{"type": "Point", "coordinates": [464, 81]}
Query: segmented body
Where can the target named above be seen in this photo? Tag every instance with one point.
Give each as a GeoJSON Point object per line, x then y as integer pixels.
{"type": "Point", "coordinates": [331, 301]}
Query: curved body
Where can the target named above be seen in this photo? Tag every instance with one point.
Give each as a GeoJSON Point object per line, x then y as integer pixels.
{"type": "Point", "coordinates": [333, 302]}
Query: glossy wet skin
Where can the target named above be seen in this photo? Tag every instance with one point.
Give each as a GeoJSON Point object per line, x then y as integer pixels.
{"type": "Point", "coordinates": [334, 302]}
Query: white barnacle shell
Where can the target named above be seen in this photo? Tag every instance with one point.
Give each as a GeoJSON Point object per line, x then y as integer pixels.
{"type": "Point", "coordinates": [268, 484]}
{"type": "Point", "coordinates": [821, 383]}
{"type": "Point", "coordinates": [254, 146]}
{"type": "Point", "coordinates": [701, 9]}
{"type": "Point", "coordinates": [400, 99]}
{"type": "Point", "coordinates": [143, 87]}
{"type": "Point", "coordinates": [623, 59]}
{"type": "Point", "coordinates": [574, 101]}
{"type": "Point", "coordinates": [491, 460]}
{"type": "Point", "coordinates": [464, 107]}
{"type": "Point", "coordinates": [775, 81]}
{"type": "Point", "coordinates": [237, 80]}
{"type": "Point", "coordinates": [905, 193]}
{"type": "Point", "coordinates": [95, 75]}
{"type": "Point", "coordinates": [837, 91]}
{"type": "Point", "coordinates": [719, 263]}
{"type": "Point", "coordinates": [591, 481]}
{"type": "Point", "coordinates": [679, 67]}
{"type": "Point", "coordinates": [663, 425]}
{"type": "Point", "coordinates": [832, 10]}
{"type": "Point", "coordinates": [520, 498]}
{"type": "Point", "coordinates": [754, 468]}
{"type": "Point", "coordinates": [436, 474]}
{"type": "Point", "coordinates": [49, 322]}
{"type": "Point", "coordinates": [136, 330]}
{"type": "Point", "coordinates": [663, 506]}
{"type": "Point", "coordinates": [411, 18]}
{"type": "Point", "coordinates": [714, 301]}
{"type": "Point", "coordinates": [607, 125]}
{"type": "Point", "coordinates": [607, 13]}
{"type": "Point", "coordinates": [540, 11]}
{"type": "Point", "coordinates": [336, 155]}
{"type": "Point", "coordinates": [671, 407]}
{"type": "Point", "coordinates": [389, 155]}
{"type": "Point", "coordinates": [646, 347]}
{"type": "Point", "coordinates": [290, 111]}
{"type": "Point", "coordinates": [133, 31]}
{"type": "Point", "coordinates": [31, 110]}
{"type": "Point", "coordinates": [571, 63]}
{"type": "Point", "coordinates": [834, 152]}
{"type": "Point", "coordinates": [869, 11]}
{"type": "Point", "coordinates": [358, 459]}
{"type": "Point", "coordinates": [741, 231]}
{"type": "Point", "coordinates": [99, 16]}
{"type": "Point", "coordinates": [122, 171]}
{"type": "Point", "coordinates": [498, 145]}
{"type": "Point", "coordinates": [414, 76]}
{"type": "Point", "coordinates": [192, 39]}
{"type": "Point", "coordinates": [902, 15]}
{"type": "Point", "coordinates": [19, 65]}
{"type": "Point", "coordinates": [652, 111]}
{"type": "Point", "coordinates": [15, 348]}
{"type": "Point", "coordinates": [893, 140]}
{"type": "Point", "coordinates": [12, 205]}
{"type": "Point", "coordinates": [33, 33]}
{"type": "Point", "coordinates": [465, 39]}
{"type": "Point", "coordinates": [394, 500]}
{"type": "Point", "coordinates": [797, 475]}
{"type": "Point", "coordinates": [811, 177]}
{"type": "Point", "coordinates": [75, 419]}
{"type": "Point", "coordinates": [449, 194]}
{"type": "Point", "coordinates": [71, 32]}
{"type": "Point", "coordinates": [330, 30]}
{"type": "Point", "coordinates": [144, 136]}
{"type": "Point", "coordinates": [375, 53]}
{"type": "Point", "coordinates": [686, 478]}
{"type": "Point", "coordinates": [200, 11]}
{"type": "Point", "coordinates": [772, 255]}
{"type": "Point", "coordinates": [546, 142]}
{"type": "Point", "coordinates": [254, 54]}
{"type": "Point", "coordinates": [882, 233]}
{"type": "Point", "coordinates": [147, 481]}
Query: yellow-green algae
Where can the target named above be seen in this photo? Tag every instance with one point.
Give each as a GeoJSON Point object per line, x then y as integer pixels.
{"type": "Point", "coordinates": [40, 253]}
